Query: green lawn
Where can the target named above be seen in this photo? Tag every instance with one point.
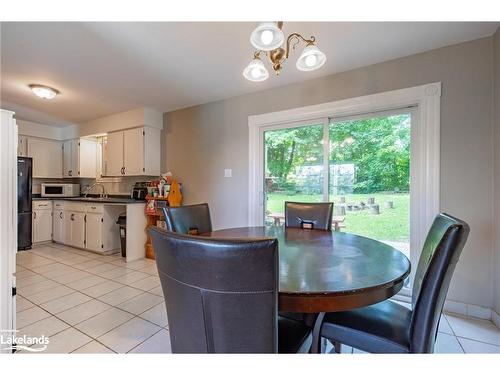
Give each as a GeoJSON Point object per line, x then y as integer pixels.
{"type": "Point", "coordinates": [390, 225]}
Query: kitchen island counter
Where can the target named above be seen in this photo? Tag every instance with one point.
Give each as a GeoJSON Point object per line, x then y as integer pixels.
{"type": "Point", "coordinates": [136, 219]}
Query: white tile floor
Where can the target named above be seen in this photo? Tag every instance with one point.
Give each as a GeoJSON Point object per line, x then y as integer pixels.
{"type": "Point", "coordinates": [89, 303]}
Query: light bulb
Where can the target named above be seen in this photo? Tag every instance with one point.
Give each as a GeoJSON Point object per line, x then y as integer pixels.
{"type": "Point", "coordinates": [311, 60]}
{"type": "Point", "coordinates": [266, 37]}
{"type": "Point", "coordinates": [255, 72]}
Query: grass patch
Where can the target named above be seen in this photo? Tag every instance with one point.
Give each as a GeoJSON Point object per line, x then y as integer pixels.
{"type": "Point", "coordinates": [390, 225]}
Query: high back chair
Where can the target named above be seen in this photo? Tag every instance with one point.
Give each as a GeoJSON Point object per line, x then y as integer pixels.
{"type": "Point", "coordinates": [309, 215]}
{"type": "Point", "coordinates": [191, 219]}
{"type": "Point", "coordinates": [388, 327]}
{"type": "Point", "coordinates": [222, 295]}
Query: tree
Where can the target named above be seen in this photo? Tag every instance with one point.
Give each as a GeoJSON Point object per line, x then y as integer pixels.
{"type": "Point", "coordinates": [379, 148]}
{"type": "Point", "coordinates": [292, 147]}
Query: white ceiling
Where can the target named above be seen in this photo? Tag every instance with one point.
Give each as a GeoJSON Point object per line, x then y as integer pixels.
{"type": "Point", "coordinates": [105, 68]}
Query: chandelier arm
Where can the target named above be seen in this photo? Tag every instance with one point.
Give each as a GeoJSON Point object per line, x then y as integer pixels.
{"type": "Point", "coordinates": [297, 38]}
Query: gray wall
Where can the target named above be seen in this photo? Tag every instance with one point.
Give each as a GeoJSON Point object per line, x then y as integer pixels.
{"type": "Point", "coordinates": [496, 110]}
{"type": "Point", "coordinates": [201, 141]}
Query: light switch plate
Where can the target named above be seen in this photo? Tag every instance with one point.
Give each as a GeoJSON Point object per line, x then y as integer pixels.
{"type": "Point", "coordinates": [228, 172]}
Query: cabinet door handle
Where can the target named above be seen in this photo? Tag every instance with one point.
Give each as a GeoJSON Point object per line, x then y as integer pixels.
{"type": "Point", "coordinates": [60, 214]}
{"type": "Point", "coordinates": [72, 217]}
{"type": "Point", "coordinates": [34, 214]}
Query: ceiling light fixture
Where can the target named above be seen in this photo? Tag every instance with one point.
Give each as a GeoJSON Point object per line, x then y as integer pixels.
{"type": "Point", "coordinates": [256, 71]}
{"type": "Point", "coordinates": [268, 38]}
{"type": "Point", "coordinates": [44, 92]}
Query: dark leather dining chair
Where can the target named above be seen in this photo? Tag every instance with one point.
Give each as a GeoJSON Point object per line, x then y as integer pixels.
{"type": "Point", "coordinates": [222, 295]}
{"type": "Point", "coordinates": [388, 327]}
{"type": "Point", "coordinates": [191, 219]}
{"type": "Point", "coordinates": [309, 215]}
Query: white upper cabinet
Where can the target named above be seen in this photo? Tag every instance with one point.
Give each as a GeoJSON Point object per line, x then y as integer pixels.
{"type": "Point", "coordinates": [69, 169]}
{"type": "Point", "coordinates": [114, 154]}
{"type": "Point", "coordinates": [87, 158]}
{"type": "Point", "coordinates": [133, 152]}
{"type": "Point", "coordinates": [47, 157]}
{"type": "Point", "coordinates": [22, 146]}
{"type": "Point", "coordinates": [79, 158]}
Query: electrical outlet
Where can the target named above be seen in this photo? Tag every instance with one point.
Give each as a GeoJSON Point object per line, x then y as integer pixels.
{"type": "Point", "coordinates": [228, 172]}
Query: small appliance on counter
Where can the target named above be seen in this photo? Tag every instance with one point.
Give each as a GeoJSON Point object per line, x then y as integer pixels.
{"type": "Point", "coordinates": [139, 190]}
{"type": "Point", "coordinates": [60, 189]}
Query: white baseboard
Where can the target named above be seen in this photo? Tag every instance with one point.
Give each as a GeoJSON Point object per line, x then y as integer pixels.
{"type": "Point", "coordinates": [472, 311]}
{"type": "Point", "coordinates": [495, 318]}
{"type": "Point", "coordinates": [463, 309]}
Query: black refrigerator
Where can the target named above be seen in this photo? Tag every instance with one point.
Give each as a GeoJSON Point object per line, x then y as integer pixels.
{"type": "Point", "coordinates": [24, 205]}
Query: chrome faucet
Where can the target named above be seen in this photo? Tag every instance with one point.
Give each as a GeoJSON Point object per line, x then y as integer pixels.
{"type": "Point", "coordinates": [103, 194]}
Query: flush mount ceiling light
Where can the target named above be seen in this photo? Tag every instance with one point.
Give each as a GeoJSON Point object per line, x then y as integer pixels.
{"type": "Point", "coordinates": [44, 92]}
{"type": "Point", "coordinates": [268, 38]}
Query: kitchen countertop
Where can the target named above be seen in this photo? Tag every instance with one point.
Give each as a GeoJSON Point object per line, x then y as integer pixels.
{"type": "Point", "coordinates": [93, 199]}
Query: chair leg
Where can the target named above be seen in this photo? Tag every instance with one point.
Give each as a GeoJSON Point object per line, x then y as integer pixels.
{"type": "Point", "coordinates": [337, 346]}
{"type": "Point", "coordinates": [317, 342]}
{"type": "Point", "coordinates": [323, 345]}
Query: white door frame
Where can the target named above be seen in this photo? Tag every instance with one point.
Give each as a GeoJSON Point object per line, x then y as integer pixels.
{"type": "Point", "coordinates": [8, 224]}
{"type": "Point", "coordinates": [425, 148]}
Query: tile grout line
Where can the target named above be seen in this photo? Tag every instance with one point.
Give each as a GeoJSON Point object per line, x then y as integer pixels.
{"type": "Point", "coordinates": [94, 298]}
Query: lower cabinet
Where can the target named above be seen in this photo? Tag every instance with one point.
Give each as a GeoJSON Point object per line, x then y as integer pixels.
{"type": "Point", "coordinates": [58, 222]}
{"type": "Point", "coordinates": [94, 236]}
{"type": "Point", "coordinates": [42, 221]}
{"type": "Point", "coordinates": [86, 225]}
{"type": "Point", "coordinates": [77, 229]}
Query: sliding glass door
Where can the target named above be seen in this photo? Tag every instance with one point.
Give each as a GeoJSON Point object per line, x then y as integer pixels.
{"type": "Point", "coordinates": [294, 167]}
{"type": "Point", "coordinates": [369, 167]}
{"type": "Point", "coordinates": [360, 163]}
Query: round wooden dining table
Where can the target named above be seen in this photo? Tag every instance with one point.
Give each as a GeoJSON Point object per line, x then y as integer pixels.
{"type": "Point", "coordinates": [328, 271]}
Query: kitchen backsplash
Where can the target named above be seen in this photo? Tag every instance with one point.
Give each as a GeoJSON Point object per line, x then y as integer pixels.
{"type": "Point", "coordinates": [113, 185]}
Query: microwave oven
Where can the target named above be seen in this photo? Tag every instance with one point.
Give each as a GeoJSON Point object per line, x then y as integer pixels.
{"type": "Point", "coordinates": [60, 190]}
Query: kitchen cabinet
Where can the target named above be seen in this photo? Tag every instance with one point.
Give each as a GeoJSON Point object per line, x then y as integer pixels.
{"type": "Point", "coordinates": [87, 225]}
{"type": "Point", "coordinates": [79, 158]}
{"type": "Point", "coordinates": [74, 224]}
{"type": "Point", "coordinates": [58, 222]}
{"type": "Point", "coordinates": [102, 231]}
{"type": "Point", "coordinates": [133, 152]}
{"type": "Point", "coordinates": [114, 154]}
{"type": "Point", "coordinates": [94, 233]}
{"type": "Point", "coordinates": [74, 228]}
{"type": "Point", "coordinates": [22, 145]}
{"type": "Point", "coordinates": [42, 221]}
{"type": "Point", "coordinates": [69, 169]}
{"type": "Point", "coordinates": [47, 157]}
